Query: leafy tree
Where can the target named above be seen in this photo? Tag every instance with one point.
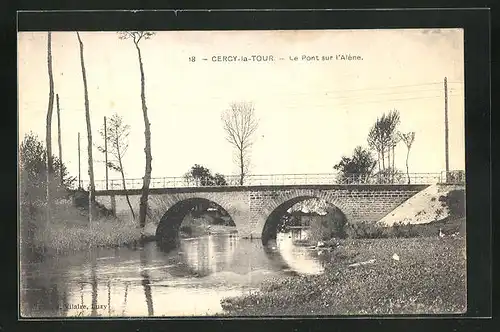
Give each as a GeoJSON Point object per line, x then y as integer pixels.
{"type": "Point", "coordinates": [360, 166]}
{"type": "Point", "coordinates": [136, 37]}
{"type": "Point", "coordinates": [201, 176]}
{"type": "Point", "coordinates": [32, 177]}
{"type": "Point", "coordinates": [392, 122]}
{"type": "Point", "coordinates": [219, 180]}
{"type": "Point", "coordinates": [117, 137]}
{"type": "Point", "coordinates": [408, 139]}
{"type": "Point", "coordinates": [383, 137]}
{"type": "Point", "coordinates": [240, 124]}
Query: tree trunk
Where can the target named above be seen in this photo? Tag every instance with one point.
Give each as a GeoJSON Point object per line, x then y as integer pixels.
{"type": "Point", "coordinates": [89, 134]}
{"type": "Point", "coordinates": [123, 176]}
{"type": "Point", "coordinates": [407, 171]}
{"type": "Point", "coordinates": [242, 168]}
{"type": "Point", "coordinates": [393, 156]}
{"type": "Point", "coordinates": [389, 157]}
{"type": "Point", "coordinates": [383, 159]}
{"type": "Point", "coordinates": [393, 170]}
{"type": "Point", "coordinates": [48, 130]}
{"type": "Point", "coordinates": [146, 284]}
{"type": "Point", "coordinates": [147, 150]}
{"type": "Point", "coordinates": [378, 160]}
{"type": "Point", "coordinates": [61, 175]}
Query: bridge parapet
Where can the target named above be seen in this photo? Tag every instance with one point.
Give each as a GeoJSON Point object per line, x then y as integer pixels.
{"type": "Point", "coordinates": [278, 180]}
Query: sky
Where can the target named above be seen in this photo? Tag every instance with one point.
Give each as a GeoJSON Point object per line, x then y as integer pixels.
{"type": "Point", "coordinates": [311, 112]}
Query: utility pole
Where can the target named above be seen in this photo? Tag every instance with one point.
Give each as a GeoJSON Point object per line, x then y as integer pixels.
{"type": "Point", "coordinates": [59, 140]}
{"type": "Point", "coordinates": [79, 165]}
{"type": "Point", "coordinates": [106, 152]}
{"type": "Point", "coordinates": [446, 129]}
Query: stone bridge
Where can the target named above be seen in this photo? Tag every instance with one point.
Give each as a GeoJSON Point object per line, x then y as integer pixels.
{"type": "Point", "coordinates": [257, 208]}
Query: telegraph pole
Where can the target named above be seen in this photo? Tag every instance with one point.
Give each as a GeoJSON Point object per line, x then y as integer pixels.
{"type": "Point", "coordinates": [446, 129]}
{"type": "Point", "coordinates": [106, 152]}
{"type": "Point", "coordinates": [59, 140]}
{"type": "Point", "coordinates": [79, 165]}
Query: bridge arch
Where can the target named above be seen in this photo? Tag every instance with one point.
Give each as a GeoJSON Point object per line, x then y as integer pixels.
{"type": "Point", "coordinates": [272, 213]}
{"type": "Point", "coordinates": [167, 232]}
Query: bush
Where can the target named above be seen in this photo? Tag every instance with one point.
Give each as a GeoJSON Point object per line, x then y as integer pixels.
{"type": "Point", "coordinates": [186, 230]}
{"type": "Point", "coordinates": [456, 203]}
{"type": "Point", "coordinates": [365, 230]}
{"type": "Point", "coordinates": [401, 230]}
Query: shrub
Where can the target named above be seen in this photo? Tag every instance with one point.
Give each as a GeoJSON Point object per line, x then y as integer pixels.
{"type": "Point", "coordinates": [402, 230]}
{"type": "Point", "coordinates": [365, 230]}
{"type": "Point", "coordinates": [186, 230]}
{"type": "Point", "coordinates": [456, 203]}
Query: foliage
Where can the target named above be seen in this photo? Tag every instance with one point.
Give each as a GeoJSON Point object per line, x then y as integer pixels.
{"type": "Point", "coordinates": [408, 139]}
{"type": "Point", "coordinates": [357, 168]}
{"type": "Point", "coordinates": [389, 176]}
{"type": "Point", "coordinates": [456, 177]}
{"type": "Point", "coordinates": [383, 136]}
{"type": "Point", "coordinates": [455, 201]}
{"type": "Point", "coordinates": [365, 230]}
{"type": "Point", "coordinates": [136, 36]}
{"type": "Point", "coordinates": [33, 170]}
{"type": "Point", "coordinates": [240, 123]}
{"type": "Point", "coordinates": [201, 176]}
{"type": "Point", "coordinates": [116, 136]}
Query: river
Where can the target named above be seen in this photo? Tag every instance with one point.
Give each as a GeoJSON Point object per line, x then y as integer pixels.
{"type": "Point", "coordinates": [145, 281]}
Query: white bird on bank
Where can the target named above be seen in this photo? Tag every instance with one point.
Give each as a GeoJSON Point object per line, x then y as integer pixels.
{"type": "Point", "coordinates": [441, 234]}
{"type": "Point", "coordinates": [395, 257]}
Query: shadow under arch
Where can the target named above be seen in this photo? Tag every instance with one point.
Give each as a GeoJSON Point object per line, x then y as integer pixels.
{"type": "Point", "coordinates": [167, 232]}
{"type": "Point", "coordinates": [270, 229]}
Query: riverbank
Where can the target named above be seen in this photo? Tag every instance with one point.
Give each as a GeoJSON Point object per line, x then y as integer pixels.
{"type": "Point", "coordinates": [69, 230]}
{"type": "Point", "coordinates": [424, 275]}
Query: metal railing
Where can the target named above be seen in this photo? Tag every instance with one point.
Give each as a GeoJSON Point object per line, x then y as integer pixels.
{"type": "Point", "coordinates": [287, 179]}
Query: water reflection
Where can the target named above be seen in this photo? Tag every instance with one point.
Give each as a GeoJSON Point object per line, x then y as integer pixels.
{"type": "Point", "coordinates": [147, 281]}
{"type": "Point", "coordinates": [299, 259]}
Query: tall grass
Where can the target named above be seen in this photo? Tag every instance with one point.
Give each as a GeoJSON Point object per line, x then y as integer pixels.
{"type": "Point", "coordinates": [70, 230]}
{"type": "Point", "coordinates": [428, 278]}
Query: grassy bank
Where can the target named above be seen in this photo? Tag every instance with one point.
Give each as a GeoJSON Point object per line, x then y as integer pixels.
{"type": "Point", "coordinates": [429, 277]}
{"type": "Point", "coordinates": [70, 230]}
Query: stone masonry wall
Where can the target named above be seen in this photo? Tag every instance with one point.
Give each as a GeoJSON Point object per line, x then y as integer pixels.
{"type": "Point", "coordinates": [250, 207]}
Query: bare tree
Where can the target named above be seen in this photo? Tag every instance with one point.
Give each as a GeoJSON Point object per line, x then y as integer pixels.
{"type": "Point", "coordinates": [116, 136]}
{"type": "Point", "coordinates": [239, 124]}
{"type": "Point", "coordinates": [89, 133]}
{"type": "Point", "coordinates": [136, 37]}
{"type": "Point", "coordinates": [408, 139]}
{"type": "Point", "coordinates": [59, 143]}
{"type": "Point", "coordinates": [48, 130]}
